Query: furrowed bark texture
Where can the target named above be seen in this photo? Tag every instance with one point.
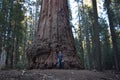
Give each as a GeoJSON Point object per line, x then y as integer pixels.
{"type": "Point", "coordinates": [53, 34]}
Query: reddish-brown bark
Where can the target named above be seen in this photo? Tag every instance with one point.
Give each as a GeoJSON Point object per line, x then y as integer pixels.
{"type": "Point", "coordinates": [54, 34]}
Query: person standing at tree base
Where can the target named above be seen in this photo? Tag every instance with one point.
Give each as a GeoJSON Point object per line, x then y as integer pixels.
{"type": "Point", "coordinates": [60, 61]}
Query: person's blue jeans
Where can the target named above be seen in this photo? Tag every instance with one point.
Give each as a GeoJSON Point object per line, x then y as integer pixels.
{"type": "Point", "coordinates": [60, 64]}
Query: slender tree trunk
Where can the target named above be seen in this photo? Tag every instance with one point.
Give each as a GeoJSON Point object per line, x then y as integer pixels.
{"type": "Point", "coordinates": [8, 44]}
{"type": "Point", "coordinates": [54, 34]}
{"type": "Point", "coordinates": [80, 35]}
{"type": "Point", "coordinates": [96, 37]}
{"type": "Point", "coordinates": [16, 51]}
{"type": "Point", "coordinates": [92, 47]}
{"type": "Point", "coordinates": [88, 44]}
{"type": "Point", "coordinates": [3, 57]}
{"type": "Point", "coordinates": [86, 29]}
{"type": "Point", "coordinates": [114, 38]}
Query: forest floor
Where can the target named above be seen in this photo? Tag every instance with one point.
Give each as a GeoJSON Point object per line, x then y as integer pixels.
{"type": "Point", "coordinates": [54, 74]}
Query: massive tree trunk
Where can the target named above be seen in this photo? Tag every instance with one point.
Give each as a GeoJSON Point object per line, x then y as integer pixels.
{"type": "Point", "coordinates": [53, 34]}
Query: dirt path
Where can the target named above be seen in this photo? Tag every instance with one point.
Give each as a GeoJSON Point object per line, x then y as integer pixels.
{"type": "Point", "coordinates": [57, 75]}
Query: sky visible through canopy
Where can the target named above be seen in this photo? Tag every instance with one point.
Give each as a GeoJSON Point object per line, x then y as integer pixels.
{"type": "Point", "coordinates": [87, 2]}
{"type": "Point", "coordinates": [74, 10]}
{"type": "Point", "coordinates": [73, 6]}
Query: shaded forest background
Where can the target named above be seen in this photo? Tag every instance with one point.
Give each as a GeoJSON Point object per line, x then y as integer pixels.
{"type": "Point", "coordinates": [97, 38]}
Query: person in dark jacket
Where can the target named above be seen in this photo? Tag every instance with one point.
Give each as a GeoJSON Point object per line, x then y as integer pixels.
{"type": "Point", "coordinates": [60, 57]}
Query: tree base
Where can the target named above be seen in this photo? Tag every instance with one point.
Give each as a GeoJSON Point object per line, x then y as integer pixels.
{"type": "Point", "coordinates": [45, 57]}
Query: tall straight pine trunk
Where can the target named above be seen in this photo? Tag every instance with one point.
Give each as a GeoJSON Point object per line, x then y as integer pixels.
{"type": "Point", "coordinates": [97, 47]}
{"type": "Point", "coordinates": [54, 34]}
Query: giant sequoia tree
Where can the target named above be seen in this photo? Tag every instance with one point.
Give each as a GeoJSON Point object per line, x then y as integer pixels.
{"type": "Point", "coordinates": [54, 34]}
